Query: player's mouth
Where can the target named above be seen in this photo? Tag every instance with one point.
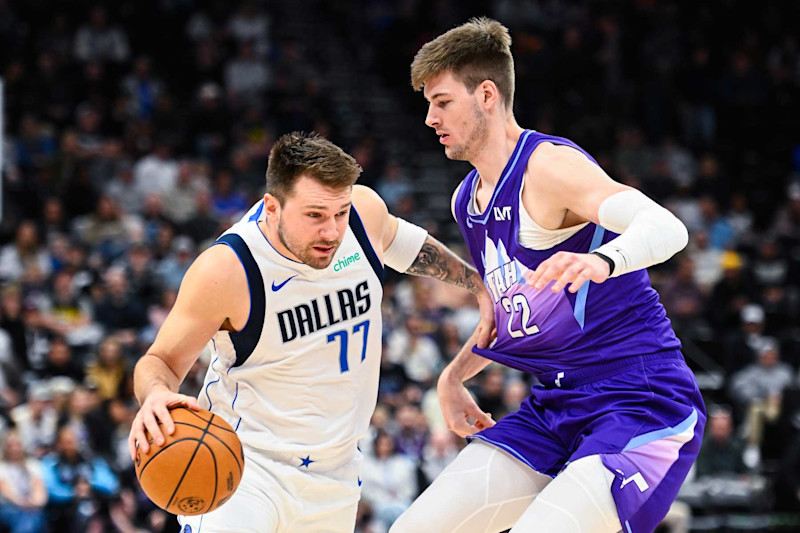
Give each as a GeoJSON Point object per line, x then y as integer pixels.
{"type": "Point", "coordinates": [325, 250]}
{"type": "Point", "coordinates": [443, 138]}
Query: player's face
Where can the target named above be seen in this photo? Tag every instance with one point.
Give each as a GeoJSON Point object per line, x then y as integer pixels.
{"type": "Point", "coordinates": [454, 113]}
{"type": "Point", "coordinates": [313, 220]}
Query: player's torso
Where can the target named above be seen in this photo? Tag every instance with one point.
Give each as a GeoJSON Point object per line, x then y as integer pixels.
{"type": "Point", "coordinates": [538, 330]}
{"type": "Point", "coordinates": [310, 379]}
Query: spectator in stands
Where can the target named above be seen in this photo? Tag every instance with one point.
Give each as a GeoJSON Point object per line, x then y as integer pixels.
{"type": "Point", "coordinates": [157, 172]}
{"type": "Point", "coordinates": [108, 370]}
{"type": "Point", "coordinates": [99, 40]}
{"type": "Point", "coordinates": [69, 316]}
{"type": "Point", "coordinates": [60, 361]}
{"type": "Point", "coordinates": [228, 201]}
{"type": "Point", "coordinates": [722, 451]}
{"type": "Point", "coordinates": [389, 480]}
{"type": "Point", "coordinates": [140, 269]}
{"type": "Point", "coordinates": [418, 354]}
{"type": "Point", "coordinates": [412, 432]}
{"type": "Point", "coordinates": [119, 311]}
{"type": "Point", "coordinates": [439, 452]}
{"type": "Point", "coordinates": [708, 261]}
{"type": "Point", "coordinates": [76, 483]}
{"type": "Point", "coordinates": [23, 493]}
{"type": "Point", "coordinates": [180, 207]}
{"type": "Point", "coordinates": [11, 321]}
{"type": "Point", "coordinates": [25, 260]}
{"type": "Point", "coordinates": [172, 268]}
{"type": "Point", "coordinates": [36, 420]}
{"type": "Point", "coordinates": [490, 392]}
{"type": "Point", "coordinates": [758, 390]}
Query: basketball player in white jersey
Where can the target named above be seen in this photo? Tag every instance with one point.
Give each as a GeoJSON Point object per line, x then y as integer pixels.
{"type": "Point", "coordinates": [290, 301]}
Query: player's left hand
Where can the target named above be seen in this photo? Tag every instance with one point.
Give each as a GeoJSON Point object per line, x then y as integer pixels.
{"type": "Point", "coordinates": [568, 268]}
{"type": "Point", "coordinates": [486, 329]}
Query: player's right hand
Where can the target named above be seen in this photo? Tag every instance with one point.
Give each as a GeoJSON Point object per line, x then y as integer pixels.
{"type": "Point", "coordinates": [154, 409]}
{"type": "Point", "coordinates": [461, 414]}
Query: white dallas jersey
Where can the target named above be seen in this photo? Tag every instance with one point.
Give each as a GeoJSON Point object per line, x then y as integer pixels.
{"type": "Point", "coordinates": [302, 375]}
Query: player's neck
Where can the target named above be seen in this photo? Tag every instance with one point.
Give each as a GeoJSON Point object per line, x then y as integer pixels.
{"type": "Point", "coordinates": [495, 154]}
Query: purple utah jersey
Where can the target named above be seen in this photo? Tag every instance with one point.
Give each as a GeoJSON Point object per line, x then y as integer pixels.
{"type": "Point", "coordinates": [612, 379]}
{"type": "Point", "coordinates": [539, 331]}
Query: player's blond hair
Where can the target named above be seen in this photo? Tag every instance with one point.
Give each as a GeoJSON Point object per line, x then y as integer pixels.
{"type": "Point", "coordinates": [474, 52]}
{"type": "Point", "coordinates": [297, 154]}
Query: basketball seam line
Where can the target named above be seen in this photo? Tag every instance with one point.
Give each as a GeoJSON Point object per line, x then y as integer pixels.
{"type": "Point", "coordinates": [211, 420]}
{"type": "Point", "coordinates": [165, 448]}
{"type": "Point", "coordinates": [229, 449]}
{"type": "Point", "coordinates": [188, 464]}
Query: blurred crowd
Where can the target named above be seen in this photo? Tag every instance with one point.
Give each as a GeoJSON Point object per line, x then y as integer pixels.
{"type": "Point", "coordinates": [137, 131]}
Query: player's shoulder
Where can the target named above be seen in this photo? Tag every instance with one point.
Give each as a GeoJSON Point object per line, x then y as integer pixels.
{"type": "Point", "coordinates": [367, 199]}
{"type": "Point", "coordinates": [547, 154]}
{"type": "Point", "coordinates": [551, 165]}
{"type": "Point", "coordinates": [371, 208]}
{"type": "Point", "coordinates": [218, 267]}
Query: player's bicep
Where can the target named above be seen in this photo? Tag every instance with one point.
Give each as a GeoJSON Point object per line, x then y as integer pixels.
{"type": "Point", "coordinates": [207, 297]}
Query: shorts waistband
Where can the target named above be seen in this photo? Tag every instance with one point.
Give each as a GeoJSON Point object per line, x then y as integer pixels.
{"type": "Point", "coordinates": [571, 378]}
{"type": "Point", "coordinates": [311, 459]}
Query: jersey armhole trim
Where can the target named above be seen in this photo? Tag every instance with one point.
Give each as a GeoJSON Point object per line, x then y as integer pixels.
{"type": "Point", "coordinates": [246, 339]}
{"type": "Point", "coordinates": [361, 236]}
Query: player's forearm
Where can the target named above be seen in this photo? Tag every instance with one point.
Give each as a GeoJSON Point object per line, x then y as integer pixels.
{"type": "Point", "coordinates": [151, 373]}
{"type": "Point", "coordinates": [466, 363]}
{"type": "Point", "coordinates": [435, 260]}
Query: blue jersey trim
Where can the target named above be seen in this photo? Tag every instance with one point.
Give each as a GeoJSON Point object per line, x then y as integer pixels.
{"type": "Point", "coordinates": [628, 526]}
{"type": "Point", "coordinates": [245, 341]}
{"type": "Point", "coordinates": [363, 240]}
{"type": "Point", "coordinates": [647, 438]}
{"type": "Point", "coordinates": [219, 377]}
{"type": "Point", "coordinates": [254, 216]}
{"type": "Point", "coordinates": [509, 170]}
{"type": "Point", "coordinates": [583, 292]}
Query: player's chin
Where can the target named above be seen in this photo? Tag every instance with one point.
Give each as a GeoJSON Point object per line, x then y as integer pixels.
{"type": "Point", "coordinates": [320, 257]}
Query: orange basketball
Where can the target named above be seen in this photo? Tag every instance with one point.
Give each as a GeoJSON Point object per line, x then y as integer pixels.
{"type": "Point", "coordinates": [197, 469]}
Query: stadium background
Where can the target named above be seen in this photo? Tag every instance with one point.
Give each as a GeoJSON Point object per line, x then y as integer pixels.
{"type": "Point", "coordinates": [135, 131]}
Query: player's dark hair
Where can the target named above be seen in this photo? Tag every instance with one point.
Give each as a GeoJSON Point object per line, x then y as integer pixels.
{"type": "Point", "coordinates": [474, 52]}
{"type": "Point", "coordinates": [299, 154]}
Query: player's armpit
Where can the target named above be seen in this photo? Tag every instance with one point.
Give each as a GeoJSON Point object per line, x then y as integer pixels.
{"type": "Point", "coordinates": [214, 289]}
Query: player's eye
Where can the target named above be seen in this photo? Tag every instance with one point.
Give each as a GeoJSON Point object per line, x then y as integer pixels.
{"type": "Point", "coordinates": [341, 213]}
{"type": "Point", "coordinates": [314, 215]}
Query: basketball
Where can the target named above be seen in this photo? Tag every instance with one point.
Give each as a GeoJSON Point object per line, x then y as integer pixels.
{"type": "Point", "coordinates": [198, 467]}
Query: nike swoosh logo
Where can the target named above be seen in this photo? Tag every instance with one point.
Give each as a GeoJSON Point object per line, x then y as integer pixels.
{"type": "Point", "coordinates": [276, 288]}
{"type": "Point", "coordinates": [359, 482]}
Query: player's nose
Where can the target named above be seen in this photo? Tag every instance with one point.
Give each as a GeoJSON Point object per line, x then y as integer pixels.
{"type": "Point", "coordinates": [329, 231]}
{"type": "Point", "coordinates": [431, 119]}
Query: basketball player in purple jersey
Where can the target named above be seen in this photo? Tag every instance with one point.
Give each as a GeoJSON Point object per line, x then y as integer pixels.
{"type": "Point", "coordinates": [605, 440]}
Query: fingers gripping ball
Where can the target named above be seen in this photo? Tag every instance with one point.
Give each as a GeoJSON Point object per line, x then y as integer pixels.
{"type": "Point", "coordinates": [198, 467]}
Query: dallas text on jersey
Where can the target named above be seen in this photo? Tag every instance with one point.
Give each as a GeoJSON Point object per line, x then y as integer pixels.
{"type": "Point", "coordinates": [325, 311]}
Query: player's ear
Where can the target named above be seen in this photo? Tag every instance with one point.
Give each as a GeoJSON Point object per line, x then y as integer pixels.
{"type": "Point", "coordinates": [272, 206]}
{"type": "Point", "coordinates": [488, 95]}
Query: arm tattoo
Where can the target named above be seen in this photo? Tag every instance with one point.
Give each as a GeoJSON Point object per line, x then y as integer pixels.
{"type": "Point", "coordinates": [435, 260]}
